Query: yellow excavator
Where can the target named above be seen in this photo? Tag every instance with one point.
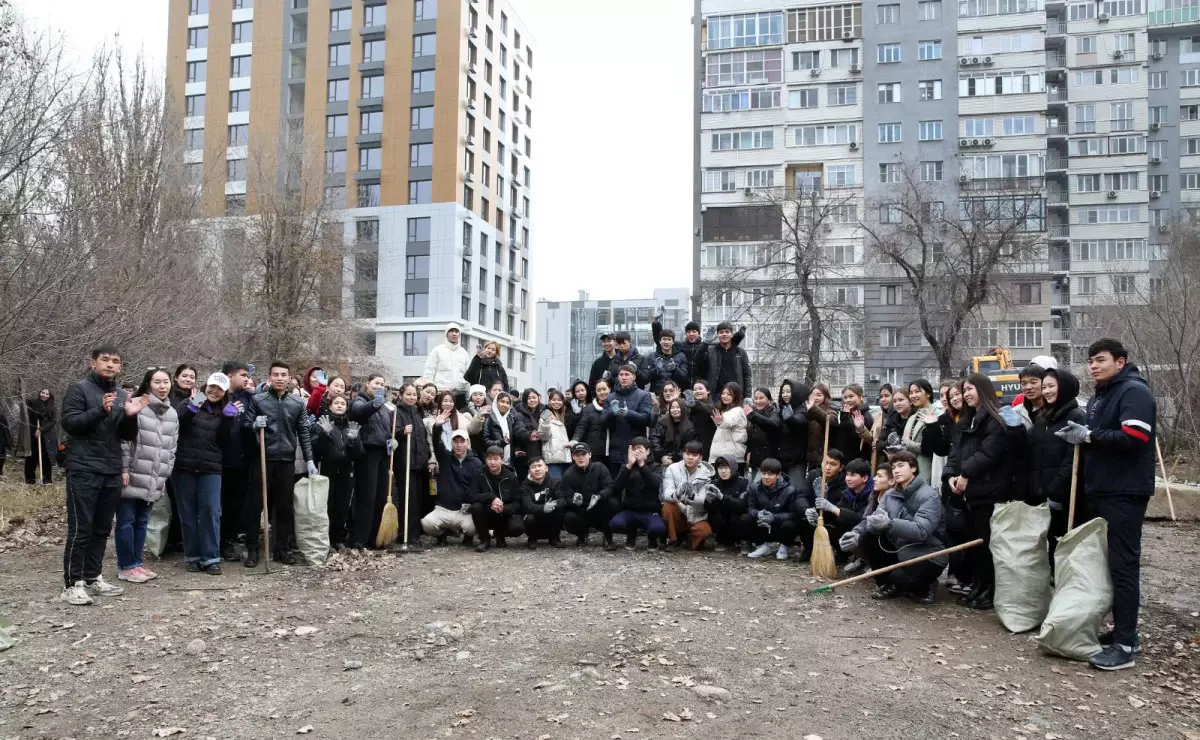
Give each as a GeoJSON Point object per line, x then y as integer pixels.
{"type": "Point", "coordinates": [997, 365]}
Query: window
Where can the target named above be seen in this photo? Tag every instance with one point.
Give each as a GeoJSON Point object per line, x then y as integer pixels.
{"type": "Point", "coordinates": [335, 126]}
{"type": "Point", "coordinates": [887, 14]}
{"type": "Point", "coordinates": [485, 208]}
{"type": "Point", "coordinates": [931, 171]}
{"type": "Point", "coordinates": [335, 161]}
{"type": "Point", "coordinates": [743, 30]}
{"type": "Point", "coordinates": [239, 66]}
{"type": "Point", "coordinates": [370, 123]}
{"type": "Point", "coordinates": [426, 10]}
{"type": "Point", "coordinates": [841, 176]}
{"type": "Point", "coordinates": [423, 81]}
{"type": "Point", "coordinates": [424, 44]}
{"type": "Point", "coordinates": [374, 51]}
{"type": "Point", "coordinates": [843, 58]}
{"type": "Point", "coordinates": [930, 89]}
{"type": "Point", "coordinates": [416, 267]}
{"type": "Point", "coordinates": [1121, 116]}
{"type": "Point", "coordinates": [370, 158]}
{"type": "Point", "coordinates": [337, 90]}
{"type": "Point", "coordinates": [1085, 45]}
{"type": "Point", "coordinates": [928, 50]}
{"type": "Point", "coordinates": [193, 105]}
{"type": "Point", "coordinates": [498, 285]}
{"type": "Point", "coordinates": [889, 336]}
{"type": "Point", "coordinates": [416, 343]}
{"type": "Point", "coordinates": [339, 55]}
{"type": "Point", "coordinates": [420, 155]}
{"type": "Point", "coordinates": [805, 97]}
{"type": "Point", "coordinates": [239, 134]}
{"type": "Point", "coordinates": [1124, 180]}
{"type": "Point", "coordinates": [1087, 183]}
{"type": "Point", "coordinates": [235, 170]}
{"type": "Point", "coordinates": [887, 53]}
{"type": "Point", "coordinates": [193, 139]}
{"type": "Point", "coordinates": [1159, 183]}
{"type": "Point", "coordinates": [890, 295]}
{"type": "Point", "coordinates": [416, 304]}
{"type": "Point", "coordinates": [419, 229]}
{"type": "Point", "coordinates": [1108, 214]}
{"type": "Point", "coordinates": [932, 211]}
{"type": "Point", "coordinates": [974, 8]}
{"type": "Point", "coordinates": [824, 23]}
{"type": "Point", "coordinates": [335, 196]}
{"type": "Point", "coordinates": [890, 214]}
{"type": "Point", "coordinates": [842, 95]}
{"type": "Point", "coordinates": [239, 100]}
{"type": "Point", "coordinates": [889, 173]}
{"type": "Point", "coordinates": [1157, 114]}
{"type": "Point", "coordinates": [367, 231]}
{"type": "Point", "coordinates": [1190, 181]}
{"type": "Point", "coordinates": [197, 38]}
{"type": "Point", "coordinates": [1028, 294]}
{"type": "Point", "coordinates": [978, 126]}
{"type": "Point", "coordinates": [1157, 81]}
{"type": "Point", "coordinates": [376, 15]}
{"type": "Point", "coordinates": [197, 7]}
{"type": "Point", "coordinates": [729, 140]}
{"type": "Point", "coordinates": [721, 101]}
{"type": "Point", "coordinates": [368, 195]}
{"type": "Point", "coordinates": [1000, 83]}
{"type": "Point", "coordinates": [739, 68]}
{"type": "Point", "coordinates": [1123, 283]}
{"type": "Point", "coordinates": [422, 118]}
{"type": "Point", "coordinates": [420, 191]}
{"type": "Point", "coordinates": [243, 32]}
{"type": "Point", "coordinates": [720, 181]}
{"type": "Point", "coordinates": [842, 133]}
{"type": "Point", "coordinates": [197, 71]}
{"type": "Point", "coordinates": [1189, 77]}
{"type": "Point", "coordinates": [1018, 125]}
{"type": "Point", "coordinates": [1122, 7]}
{"type": "Point", "coordinates": [339, 20]}
{"type": "Point", "coordinates": [889, 133]}
{"type": "Point", "coordinates": [1025, 334]}
{"type": "Point", "coordinates": [929, 10]}
{"type": "Point", "coordinates": [760, 178]}
{"type": "Point", "coordinates": [889, 92]}
{"type": "Point", "coordinates": [930, 131]}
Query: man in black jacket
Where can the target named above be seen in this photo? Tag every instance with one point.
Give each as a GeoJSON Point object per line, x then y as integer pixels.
{"type": "Point", "coordinates": [727, 362]}
{"type": "Point", "coordinates": [636, 489]}
{"type": "Point", "coordinates": [1118, 483]}
{"type": "Point", "coordinates": [235, 471]}
{"type": "Point", "coordinates": [284, 421]}
{"type": "Point", "coordinates": [600, 366]}
{"type": "Point", "coordinates": [98, 415]}
{"type": "Point", "coordinates": [668, 363]}
{"type": "Point", "coordinates": [845, 501]}
{"type": "Point", "coordinates": [457, 471]}
{"type": "Point", "coordinates": [587, 496]}
{"type": "Point", "coordinates": [540, 502]}
{"type": "Point", "coordinates": [496, 502]}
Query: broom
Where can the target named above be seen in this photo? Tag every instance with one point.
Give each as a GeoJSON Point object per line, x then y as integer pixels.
{"type": "Point", "coordinates": [823, 564]}
{"type": "Point", "coordinates": [407, 486]}
{"type": "Point", "coordinates": [1074, 483]}
{"type": "Point", "coordinates": [390, 522]}
{"type": "Point", "coordinates": [894, 566]}
{"type": "Point", "coordinates": [262, 466]}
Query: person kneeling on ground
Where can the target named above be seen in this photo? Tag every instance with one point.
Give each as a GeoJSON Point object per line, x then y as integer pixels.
{"type": "Point", "coordinates": [881, 484]}
{"type": "Point", "coordinates": [496, 502]}
{"type": "Point", "coordinates": [540, 501]}
{"type": "Point", "coordinates": [771, 515]}
{"type": "Point", "coordinates": [813, 496]}
{"type": "Point", "coordinates": [727, 505]}
{"type": "Point", "coordinates": [843, 506]}
{"type": "Point", "coordinates": [906, 524]}
{"type": "Point", "coordinates": [457, 470]}
{"type": "Point", "coordinates": [685, 493]}
{"type": "Point", "coordinates": [586, 491]}
{"type": "Point", "coordinates": [636, 491]}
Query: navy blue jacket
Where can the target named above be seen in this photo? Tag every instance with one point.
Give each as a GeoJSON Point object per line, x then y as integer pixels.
{"type": "Point", "coordinates": [668, 367]}
{"type": "Point", "coordinates": [239, 451]}
{"type": "Point", "coordinates": [455, 477]}
{"type": "Point", "coordinates": [622, 428]}
{"type": "Point", "coordinates": [1122, 417]}
{"type": "Point", "coordinates": [780, 500]}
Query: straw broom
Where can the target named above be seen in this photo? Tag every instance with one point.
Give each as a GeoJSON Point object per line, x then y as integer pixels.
{"type": "Point", "coordinates": [823, 564]}
{"type": "Point", "coordinates": [389, 525]}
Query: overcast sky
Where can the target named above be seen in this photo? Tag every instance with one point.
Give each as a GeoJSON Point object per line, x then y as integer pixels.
{"type": "Point", "coordinates": [612, 142]}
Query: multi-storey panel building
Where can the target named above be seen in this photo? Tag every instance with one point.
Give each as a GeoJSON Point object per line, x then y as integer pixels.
{"type": "Point", "coordinates": [1079, 110]}
{"type": "Point", "coordinates": [423, 113]}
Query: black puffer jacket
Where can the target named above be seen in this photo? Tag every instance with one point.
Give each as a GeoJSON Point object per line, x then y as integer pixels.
{"type": "Point", "coordinates": [665, 442]}
{"type": "Point", "coordinates": [287, 425]}
{"type": "Point", "coordinates": [573, 416]}
{"type": "Point", "coordinates": [594, 480]}
{"type": "Point", "coordinates": [982, 457]}
{"type": "Point", "coordinates": [793, 431]}
{"type": "Point", "coordinates": [41, 417]}
{"type": "Point", "coordinates": [203, 435]}
{"type": "Point", "coordinates": [486, 488]}
{"type": "Point", "coordinates": [762, 434]}
{"type": "Point", "coordinates": [535, 496]}
{"type": "Point", "coordinates": [420, 454]}
{"type": "Point", "coordinates": [637, 489]}
{"type": "Point", "coordinates": [95, 444]}
{"type": "Point", "coordinates": [455, 477]}
{"type": "Point", "coordinates": [372, 413]}
{"type": "Point", "coordinates": [1050, 457]}
{"type": "Point", "coordinates": [701, 415]}
{"type": "Point", "coordinates": [524, 422]}
{"type": "Point", "coordinates": [336, 447]}
{"type": "Point", "coordinates": [484, 372]}
{"type": "Point", "coordinates": [592, 430]}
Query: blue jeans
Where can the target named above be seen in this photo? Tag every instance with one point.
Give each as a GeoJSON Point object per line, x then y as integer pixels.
{"type": "Point", "coordinates": [556, 470]}
{"type": "Point", "coordinates": [631, 521]}
{"type": "Point", "coordinates": [132, 516]}
{"type": "Point", "coordinates": [199, 498]}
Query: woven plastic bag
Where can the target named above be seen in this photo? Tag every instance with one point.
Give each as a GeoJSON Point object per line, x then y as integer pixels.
{"type": "Point", "coordinates": [1083, 593]}
{"type": "Point", "coordinates": [311, 499]}
{"type": "Point", "coordinates": [1022, 565]}
{"type": "Point", "coordinates": [158, 527]}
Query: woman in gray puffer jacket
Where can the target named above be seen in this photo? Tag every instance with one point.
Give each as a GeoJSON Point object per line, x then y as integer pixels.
{"type": "Point", "coordinates": [146, 463]}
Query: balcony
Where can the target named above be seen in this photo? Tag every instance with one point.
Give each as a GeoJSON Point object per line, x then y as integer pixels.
{"type": "Point", "coordinates": [1056, 231]}
{"type": "Point", "coordinates": [1060, 297]}
{"type": "Point", "coordinates": [1056, 197]}
{"type": "Point", "coordinates": [1056, 60]}
{"type": "Point", "coordinates": [1056, 95]}
{"type": "Point", "coordinates": [1056, 129]}
{"type": "Point", "coordinates": [1060, 335]}
{"type": "Point", "coordinates": [1175, 17]}
{"type": "Point", "coordinates": [1005, 184]}
{"type": "Point", "coordinates": [1060, 265]}
{"type": "Point", "coordinates": [1056, 163]}
{"type": "Point", "coordinates": [1056, 27]}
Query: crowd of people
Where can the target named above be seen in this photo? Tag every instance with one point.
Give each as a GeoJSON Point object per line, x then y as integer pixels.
{"type": "Point", "coordinates": [677, 447]}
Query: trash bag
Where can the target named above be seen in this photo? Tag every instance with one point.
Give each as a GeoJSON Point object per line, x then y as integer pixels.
{"type": "Point", "coordinates": [1083, 593]}
{"type": "Point", "coordinates": [1022, 564]}
{"type": "Point", "coordinates": [158, 528]}
{"type": "Point", "coordinates": [8, 633]}
{"type": "Point", "coordinates": [311, 499]}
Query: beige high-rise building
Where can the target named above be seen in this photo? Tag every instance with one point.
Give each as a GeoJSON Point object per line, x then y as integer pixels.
{"type": "Point", "coordinates": [425, 108]}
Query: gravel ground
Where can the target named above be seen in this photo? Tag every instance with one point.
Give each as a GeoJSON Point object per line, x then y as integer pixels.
{"type": "Point", "coordinates": [568, 644]}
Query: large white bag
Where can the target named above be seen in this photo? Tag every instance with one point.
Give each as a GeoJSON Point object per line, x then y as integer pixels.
{"type": "Point", "coordinates": [1083, 593]}
{"type": "Point", "coordinates": [311, 499]}
{"type": "Point", "coordinates": [1022, 564]}
{"type": "Point", "coordinates": [158, 527]}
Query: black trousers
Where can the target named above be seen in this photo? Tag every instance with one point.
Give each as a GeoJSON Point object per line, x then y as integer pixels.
{"type": "Point", "coordinates": [979, 519]}
{"type": "Point", "coordinates": [782, 532]}
{"type": "Point", "coordinates": [725, 516]}
{"type": "Point", "coordinates": [543, 526]}
{"type": "Point", "coordinates": [31, 466]}
{"type": "Point", "coordinates": [915, 578]}
{"type": "Point", "coordinates": [92, 501]}
{"type": "Point", "coordinates": [370, 496]}
{"type": "Point", "coordinates": [281, 510]}
{"type": "Point", "coordinates": [581, 521]}
{"type": "Point", "coordinates": [341, 490]}
{"type": "Point", "coordinates": [235, 486]}
{"type": "Point", "coordinates": [1058, 527]}
{"type": "Point", "coordinates": [507, 523]}
{"type": "Point", "coordinates": [418, 495]}
{"type": "Point", "coordinates": [1124, 514]}
{"type": "Point", "coordinates": [958, 531]}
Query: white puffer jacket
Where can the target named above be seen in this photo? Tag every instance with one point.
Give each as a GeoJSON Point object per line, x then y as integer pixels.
{"type": "Point", "coordinates": [447, 364]}
{"type": "Point", "coordinates": [730, 438]}
{"type": "Point", "coordinates": [556, 443]}
{"type": "Point", "coordinates": [150, 457]}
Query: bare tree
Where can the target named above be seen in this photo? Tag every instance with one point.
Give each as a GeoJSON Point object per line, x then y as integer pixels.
{"type": "Point", "coordinates": [785, 286]}
{"type": "Point", "coordinates": [954, 254]}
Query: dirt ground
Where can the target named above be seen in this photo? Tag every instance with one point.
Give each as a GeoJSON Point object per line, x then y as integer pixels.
{"type": "Point", "coordinates": [567, 644]}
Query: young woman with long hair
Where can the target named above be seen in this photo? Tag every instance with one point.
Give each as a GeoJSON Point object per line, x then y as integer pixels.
{"type": "Point", "coordinates": [763, 425]}
{"type": "Point", "coordinates": [818, 409]}
{"type": "Point", "coordinates": [592, 428]}
{"type": "Point", "coordinates": [793, 434]}
{"type": "Point", "coordinates": [552, 433]}
{"type": "Point", "coordinates": [416, 456]}
{"type": "Point", "coordinates": [673, 430]}
{"type": "Point", "coordinates": [730, 419]}
{"type": "Point", "coordinates": [183, 383]}
{"type": "Point", "coordinates": [920, 394]}
{"type": "Point", "coordinates": [370, 409]}
{"type": "Point", "coordinates": [581, 396]}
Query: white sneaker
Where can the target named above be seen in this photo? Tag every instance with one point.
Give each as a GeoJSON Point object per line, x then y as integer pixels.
{"type": "Point", "coordinates": [781, 553]}
{"type": "Point", "coordinates": [76, 595]}
{"type": "Point", "coordinates": [101, 587]}
{"type": "Point", "coordinates": [762, 551]}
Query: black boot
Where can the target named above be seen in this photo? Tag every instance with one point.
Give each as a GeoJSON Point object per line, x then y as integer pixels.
{"type": "Point", "coordinates": [531, 543]}
{"type": "Point", "coordinates": [484, 545]}
{"type": "Point", "coordinates": [501, 543]}
{"type": "Point", "coordinates": [251, 559]}
{"type": "Point", "coordinates": [581, 540]}
{"type": "Point", "coordinates": [926, 596]}
{"type": "Point", "coordinates": [967, 598]}
{"type": "Point", "coordinates": [287, 558]}
{"type": "Point", "coordinates": [983, 601]}
{"type": "Point", "coordinates": [441, 539]}
{"type": "Point", "coordinates": [468, 540]}
{"type": "Point", "coordinates": [888, 591]}
{"type": "Point", "coordinates": [556, 542]}
{"type": "Point", "coordinates": [229, 552]}
{"type": "Point", "coordinates": [631, 540]}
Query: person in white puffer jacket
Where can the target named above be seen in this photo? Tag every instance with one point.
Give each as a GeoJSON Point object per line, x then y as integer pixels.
{"type": "Point", "coordinates": [447, 364]}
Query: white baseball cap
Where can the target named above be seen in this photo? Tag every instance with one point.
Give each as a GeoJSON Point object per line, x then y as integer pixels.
{"type": "Point", "coordinates": [220, 380]}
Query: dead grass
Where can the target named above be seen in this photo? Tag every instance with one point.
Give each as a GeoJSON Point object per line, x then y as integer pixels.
{"type": "Point", "coordinates": [19, 502]}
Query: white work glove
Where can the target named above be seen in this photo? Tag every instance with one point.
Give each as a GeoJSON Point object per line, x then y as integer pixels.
{"type": "Point", "coordinates": [464, 509]}
{"type": "Point", "coordinates": [550, 507]}
{"type": "Point", "coordinates": [326, 424]}
{"type": "Point", "coordinates": [260, 422]}
{"type": "Point", "coordinates": [827, 506]}
{"type": "Point", "coordinates": [848, 541]}
{"type": "Point", "coordinates": [879, 521]}
{"type": "Point", "coordinates": [312, 468]}
{"type": "Point", "coordinates": [352, 430]}
{"type": "Point", "coordinates": [392, 445]}
{"type": "Point", "coordinates": [811, 515]}
{"type": "Point", "coordinates": [594, 500]}
{"type": "Point", "coordinates": [1074, 433]}
{"type": "Point", "coordinates": [577, 499]}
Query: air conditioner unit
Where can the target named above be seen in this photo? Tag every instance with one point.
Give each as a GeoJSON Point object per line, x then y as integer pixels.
{"type": "Point", "coordinates": [1155, 126]}
{"type": "Point", "coordinates": [847, 36]}
{"type": "Point", "coordinates": [1112, 193]}
{"type": "Point", "coordinates": [964, 143]}
{"type": "Point", "coordinates": [853, 145]}
{"type": "Point", "coordinates": [854, 353]}
{"type": "Point", "coordinates": [828, 228]}
{"type": "Point", "coordinates": [512, 310]}
{"type": "Point", "coordinates": [874, 378]}
{"type": "Point", "coordinates": [1154, 193]}
{"type": "Point", "coordinates": [974, 60]}
{"type": "Point", "coordinates": [1156, 160]}
{"type": "Point", "coordinates": [1117, 54]}
{"type": "Point", "coordinates": [1163, 228]}
{"type": "Point", "coordinates": [747, 191]}
{"type": "Point", "coordinates": [815, 72]}
{"type": "Point", "coordinates": [989, 142]}
{"type": "Point", "coordinates": [472, 34]}
{"type": "Point", "coordinates": [470, 140]}
{"type": "Point", "coordinates": [964, 178]}
{"type": "Point", "coordinates": [1157, 55]}
{"type": "Point", "coordinates": [987, 60]}
{"type": "Point", "coordinates": [964, 62]}
{"type": "Point", "coordinates": [1103, 17]}
{"type": "Point", "coordinates": [974, 142]}
{"type": "Point", "coordinates": [855, 68]}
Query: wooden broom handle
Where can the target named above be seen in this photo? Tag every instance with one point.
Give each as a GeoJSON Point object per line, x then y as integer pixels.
{"type": "Point", "coordinates": [1074, 485]}
{"type": "Point", "coordinates": [897, 566]}
{"type": "Point", "coordinates": [824, 454]}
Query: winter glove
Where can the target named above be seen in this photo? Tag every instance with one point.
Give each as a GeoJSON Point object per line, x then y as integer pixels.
{"type": "Point", "coordinates": [230, 410]}
{"type": "Point", "coordinates": [1010, 417]}
{"type": "Point", "coordinates": [1074, 433]}
{"type": "Point", "coordinates": [786, 411]}
{"type": "Point", "coordinates": [606, 376]}
{"type": "Point", "coordinates": [879, 521]}
{"type": "Point", "coordinates": [326, 424]}
{"type": "Point", "coordinates": [577, 499]}
{"type": "Point", "coordinates": [848, 541]}
{"type": "Point", "coordinates": [550, 507]}
{"type": "Point", "coordinates": [352, 430]}
{"type": "Point", "coordinates": [575, 407]}
{"type": "Point", "coordinates": [811, 515]}
{"type": "Point", "coordinates": [767, 517]}
{"type": "Point", "coordinates": [464, 509]}
{"type": "Point", "coordinates": [594, 500]}
{"type": "Point", "coordinates": [260, 422]}
{"type": "Point", "coordinates": [622, 410]}
{"type": "Point", "coordinates": [912, 446]}
{"type": "Point", "coordinates": [827, 506]}
{"type": "Point", "coordinates": [392, 445]}
{"type": "Point", "coordinates": [893, 439]}
{"type": "Point", "coordinates": [669, 365]}
{"type": "Point", "coordinates": [312, 468]}
{"type": "Point", "coordinates": [689, 398]}
{"type": "Point", "coordinates": [712, 493]}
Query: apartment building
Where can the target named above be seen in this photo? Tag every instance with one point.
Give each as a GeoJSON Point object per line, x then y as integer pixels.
{"type": "Point", "coordinates": [1076, 115]}
{"type": "Point", "coordinates": [423, 113]}
{"type": "Point", "coordinates": [569, 331]}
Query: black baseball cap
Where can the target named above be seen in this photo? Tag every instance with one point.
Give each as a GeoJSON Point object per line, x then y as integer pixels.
{"type": "Point", "coordinates": [580, 447]}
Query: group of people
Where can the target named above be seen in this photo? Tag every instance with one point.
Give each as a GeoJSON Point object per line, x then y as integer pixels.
{"type": "Point", "coordinates": [675, 447]}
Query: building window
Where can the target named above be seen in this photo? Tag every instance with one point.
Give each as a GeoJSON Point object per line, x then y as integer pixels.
{"type": "Point", "coordinates": [335, 126]}
{"type": "Point", "coordinates": [370, 158]}
{"type": "Point", "coordinates": [239, 66]}
{"type": "Point", "coordinates": [416, 305]}
{"type": "Point", "coordinates": [239, 134]}
{"type": "Point", "coordinates": [889, 336]}
{"type": "Point", "coordinates": [426, 10]}
{"type": "Point", "coordinates": [424, 44]}
{"type": "Point", "coordinates": [930, 89]}
{"type": "Point", "coordinates": [465, 309]}
{"type": "Point", "coordinates": [193, 139]}
{"type": "Point", "coordinates": [335, 161]}
{"type": "Point", "coordinates": [374, 51]}
{"type": "Point", "coordinates": [193, 105]}
{"type": "Point", "coordinates": [374, 15]}
{"type": "Point", "coordinates": [368, 195]}
{"type": "Point", "coordinates": [235, 170]}
{"type": "Point", "coordinates": [468, 202]}
{"type": "Point", "coordinates": [889, 133]}
{"type": "Point", "coordinates": [1028, 294]}
{"type": "Point", "coordinates": [197, 37]}
{"type": "Point", "coordinates": [887, 14]}
{"type": "Point", "coordinates": [366, 231]}
{"type": "Point", "coordinates": [420, 191]}
{"type": "Point", "coordinates": [423, 81]}
{"type": "Point", "coordinates": [239, 100]}
{"type": "Point", "coordinates": [890, 295]}
{"type": "Point", "coordinates": [197, 7]}
{"type": "Point", "coordinates": [235, 205]}
{"type": "Point", "coordinates": [887, 53]}
{"type": "Point", "coordinates": [197, 71]}
{"type": "Point", "coordinates": [889, 92]}
{"type": "Point", "coordinates": [337, 90]}
{"type": "Point", "coordinates": [416, 343]}
{"type": "Point", "coordinates": [931, 171]}
{"type": "Point", "coordinates": [339, 55]}
{"type": "Point", "coordinates": [1025, 334]}
{"type": "Point", "coordinates": [930, 131]}
{"type": "Point", "coordinates": [806, 60]}
{"type": "Point", "coordinates": [929, 50]}
{"type": "Point", "coordinates": [243, 32]}
{"type": "Point", "coordinates": [929, 10]}
{"type": "Point", "coordinates": [416, 267]}
{"type": "Point", "coordinates": [370, 123]}
{"type": "Point", "coordinates": [889, 173]}
{"type": "Point", "coordinates": [737, 68]}
{"type": "Point", "coordinates": [419, 229]}
{"type": "Point", "coordinates": [420, 155]}
{"type": "Point", "coordinates": [339, 20]}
